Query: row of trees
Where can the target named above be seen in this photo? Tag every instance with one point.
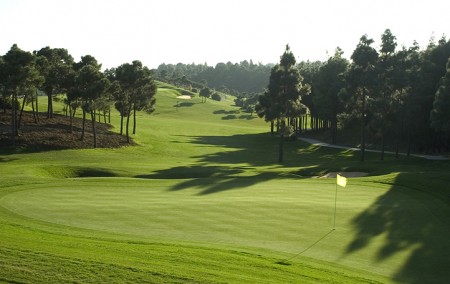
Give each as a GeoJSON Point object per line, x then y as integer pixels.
{"type": "Point", "coordinates": [402, 94]}
{"type": "Point", "coordinates": [231, 78]}
{"type": "Point", "coordinates": [130, 87]}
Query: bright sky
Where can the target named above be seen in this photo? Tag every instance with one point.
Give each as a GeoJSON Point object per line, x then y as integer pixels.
{"type": "Point", "coordinates": [212, 31]}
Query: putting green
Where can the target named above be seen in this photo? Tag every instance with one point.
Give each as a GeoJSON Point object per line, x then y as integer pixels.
{"type": "Point", "coordinates": [285, 215]}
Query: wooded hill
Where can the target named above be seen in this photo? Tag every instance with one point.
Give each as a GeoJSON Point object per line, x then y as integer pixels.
{"type": "Point", "coordinates": [401, 92]}
{"type": "Point", "coordinates": [395, 97]}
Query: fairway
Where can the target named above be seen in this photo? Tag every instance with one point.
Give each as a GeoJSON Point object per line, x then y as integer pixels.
{"type": "Point", "coordinates": [201, 199]}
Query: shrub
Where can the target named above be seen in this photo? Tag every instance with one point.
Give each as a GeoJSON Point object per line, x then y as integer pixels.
{"type": "Point", "coordinates": [216, 97]}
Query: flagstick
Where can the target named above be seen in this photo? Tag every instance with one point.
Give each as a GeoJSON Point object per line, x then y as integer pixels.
{"type": "Point", "coordinates": [335, 203]}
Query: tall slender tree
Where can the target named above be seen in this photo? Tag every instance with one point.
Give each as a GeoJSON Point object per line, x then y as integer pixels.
{"type": "Point", "coordinates": [19, 75]}
{"type": "Point", "coordinates": [386, 87]}
{"type": "Point", "coordinates": [56, 65]}
{"type": "Point", "coordinates": [138, 87]}
{"type": "Point", "coordinates": [282, 96]}
{"type": "Point", "coordinates": [91, 84]}
{"type": "Point", "coordinates": [329, 83]}
{"type": "Point", "coordinates": [440, 114]}
{"type": "Point", "coordinates": [362, 78]}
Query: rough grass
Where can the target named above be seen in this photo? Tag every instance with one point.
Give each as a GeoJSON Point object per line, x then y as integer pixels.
{"type": "Point", "coordinates": [202, 199]}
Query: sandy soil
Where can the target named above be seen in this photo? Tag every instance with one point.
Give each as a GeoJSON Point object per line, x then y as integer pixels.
{"type": "Point", "coordinates": [184, 97]}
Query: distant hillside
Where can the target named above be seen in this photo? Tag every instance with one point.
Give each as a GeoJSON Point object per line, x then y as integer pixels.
{"type": "Point", "coordinates": [243, 77]}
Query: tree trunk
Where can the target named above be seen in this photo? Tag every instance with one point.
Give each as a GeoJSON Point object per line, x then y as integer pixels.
{"type": "Point", "coordinates": [280, 149]}
{"type": "Point", "coordinates": [121, 124]}
{"type": "Point", "coordinates": [33, 110]}
{"type": "Point", "coordinates": [128, 124]}
{"type": "Point", "coordinates": [122, 113]}
{"type": "Point", "coordinates": [306, 122]}
{"type": "Point", "coordinates": [21, 111]}
{"type": "Point", "coordinates": [399, 133]}
{"type": "Point", "coordinates": [271, 127]}
{"type": "Point", "coordinates": [408, 151]}
{"type": "Point", "coordinates": [14, 118]}
{"type": "Point", "coordinates": [94, 132]}
{"type": "Point", "coordinates": [134, 120]}
{"type": "Point", "coordinates": [363, 124]}
{"type": "Point", "coordinates": [50, 106]}
{"type": "Point", "coordinates": [83, 124]}
{"type": "Point", "coordinates": [71, 119]}
{"type": "Point", "coordinates": [4, 106]}
{"type": "Point", "coordinates": [299, 124]}
{"type": "Point", "coordinates": [333, 130]}
{"type": "Point", "coordinates": [382, 144]}
{"type": "Point", "coordinates": [37, 105]}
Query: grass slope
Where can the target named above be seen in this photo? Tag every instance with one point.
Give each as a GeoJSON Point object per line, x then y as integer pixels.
{"type": "Point", "coordinates": [202, 200]}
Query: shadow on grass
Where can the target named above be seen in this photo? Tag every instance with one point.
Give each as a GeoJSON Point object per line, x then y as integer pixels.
{"type": "Point", "coordinates": [210, 179]}
{"type": "Point", "coordinates": [184, 104]}
{"type": "Point", "coordinates": [228, 117]}
{"type": "Point", "coordinates": [222, 111]}
{"type": "Point", "coordinates": [233, 114]}
{"type": "Point", "coordinates": [245, 160]}
{"type": "Point", "coordinates": [6, 160]}
{"type": "Point", "coordinates": [410, 220]}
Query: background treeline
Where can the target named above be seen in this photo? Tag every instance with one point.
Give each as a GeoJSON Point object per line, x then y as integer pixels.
{"type": "Point", "coordinates": [232, 78]}
{"type": "Point", "coordinates": [385, 97]}
{"type": "Point", "coordinates": [25, 76]}
{"type": "Point", "coordinates": [391, 97]}
{"type": "Point", "coordinates": [388, 97]}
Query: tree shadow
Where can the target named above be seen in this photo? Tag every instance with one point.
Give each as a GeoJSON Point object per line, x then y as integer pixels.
{"type": "Point", "coordinates": [233, 114]}
{"type": "Point", "coordinates": [245, 160]}
{"type": "Point", "coordinates": [209, 179]}
{"type": "Point", "coordinates": [184, 104]}
{"type": "Point", "coordinates": [261, 149]}
{"type": "Point", "coordinates": [228, 117]}
{"type": "Point", "coordinates": [247, 116]}
{"type": "Point", "coordinates": [222, 111]}
{"type": "Point", "coordinates": [411, 220]}
{"type": "Point", "coordinates": [6, 160]}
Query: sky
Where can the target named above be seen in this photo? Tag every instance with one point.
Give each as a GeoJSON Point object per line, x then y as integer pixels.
{"type": "Point", "coordinates": [213, 31]}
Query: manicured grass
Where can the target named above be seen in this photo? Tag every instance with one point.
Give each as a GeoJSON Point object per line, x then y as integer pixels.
{"type": "Point", "coordinates": [202, 199]}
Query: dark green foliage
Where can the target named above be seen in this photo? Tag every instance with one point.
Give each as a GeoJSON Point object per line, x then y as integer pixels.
{"type": "Point", "coordinates": [215, 96]}
{"type": "Point", "coordinates": [19, 77]}
{"type": "Point", "coordinates": [440, 114]}
{"type": "Point", "coordinates": [56, 65]}
{"type": "Point", "coordinates": [329, 83]}
{"type": "Point", "coordinates": [205, 93]}
{"type": "Point", "coordinates": [281, 101]}
{"type": "Point", "coordinates": [362, 81]}
{"type": "Point", "coordinates": [232, 78]}
{"type": "Point", "coordinates": [134, 91]}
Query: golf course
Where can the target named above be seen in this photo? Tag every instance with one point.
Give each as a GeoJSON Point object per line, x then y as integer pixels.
{"type": "Point", "coordinates": [201, 198]}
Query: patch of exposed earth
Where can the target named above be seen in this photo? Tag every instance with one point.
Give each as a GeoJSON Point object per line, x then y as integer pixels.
{"type": "Point", "coordinates": [56, 133]}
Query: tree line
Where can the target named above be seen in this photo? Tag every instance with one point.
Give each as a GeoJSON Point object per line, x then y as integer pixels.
{"type": "Point", "coordinates": [52, 71]}
{"type": "Point", "coordinates": [231, 78]}
{"type": "Point", "coordinates": [401, 94]}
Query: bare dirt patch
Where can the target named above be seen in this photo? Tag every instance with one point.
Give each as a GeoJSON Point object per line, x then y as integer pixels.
{"type": "Point", "coordinates": [55, 133]}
